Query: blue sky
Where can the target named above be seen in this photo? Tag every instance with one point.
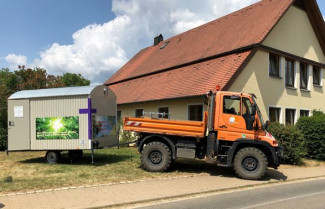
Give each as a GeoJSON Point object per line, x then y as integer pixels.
{"type": "Point", "coordinates": [96, 37]}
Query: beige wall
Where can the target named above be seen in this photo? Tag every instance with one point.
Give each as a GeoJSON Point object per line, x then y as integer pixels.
{"type": "Point", "coordinates": [178, 109]}
{"type": "Point", "coordinates": [272, 91]}
{"type": "Point", "coordinates": [294, 34]}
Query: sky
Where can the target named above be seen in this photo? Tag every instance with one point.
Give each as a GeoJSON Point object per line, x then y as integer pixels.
{"type": "Point", "coordinates": [96, 37]}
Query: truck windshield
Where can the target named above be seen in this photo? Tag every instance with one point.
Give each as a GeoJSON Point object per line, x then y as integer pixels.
{"type": "Point", "coordinates": [259, 113]}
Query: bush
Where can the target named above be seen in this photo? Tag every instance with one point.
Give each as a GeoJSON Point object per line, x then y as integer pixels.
{"type": "Point", "coordinates": [292, 141]}
{"type": "Point", "coordinates": [313, 129]}
{"type": "Point", "coordinates": [125, 136]}
{"type": "Point", "coordinates": [3, 139]}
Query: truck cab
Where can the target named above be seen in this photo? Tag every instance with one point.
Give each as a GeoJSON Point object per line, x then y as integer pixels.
{"type": "Point", "coordinates": [232, 134]}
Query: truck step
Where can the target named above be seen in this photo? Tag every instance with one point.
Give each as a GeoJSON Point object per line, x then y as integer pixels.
{"type": "Point", "coordinates": [222, 165]}
{"type": "Point", "coordinates": [222, 155]}
{"type": "Point", "coordinates": [226, 146]}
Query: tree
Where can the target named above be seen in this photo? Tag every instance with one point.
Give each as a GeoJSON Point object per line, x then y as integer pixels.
{"type": "Point", "coordinates": [72, 79]}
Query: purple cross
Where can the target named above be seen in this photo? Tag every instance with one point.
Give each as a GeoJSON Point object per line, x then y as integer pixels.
{"type": "Point", "coordinates": [89, 111]}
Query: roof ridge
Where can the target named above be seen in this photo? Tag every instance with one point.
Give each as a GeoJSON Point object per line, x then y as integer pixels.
{"type": "Point", "coordinates": [243, 28]}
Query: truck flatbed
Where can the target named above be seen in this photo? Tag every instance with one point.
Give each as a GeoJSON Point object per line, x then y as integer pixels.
{"type": "Point", "coordinates": [166, 127]}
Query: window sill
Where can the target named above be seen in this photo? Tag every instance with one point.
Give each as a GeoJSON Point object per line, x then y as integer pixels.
{"type": "Point", "coordinates": [319, 86]}
{"type": "Point", "coordinates": [292, 88]}
{"type": "Point", "coordinates": [275, 76]}
{"type": "Point", "coordinates": [305, 90]}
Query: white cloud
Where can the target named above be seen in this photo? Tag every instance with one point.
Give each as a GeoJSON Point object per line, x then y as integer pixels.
{"type": "Point", "coordinates": [15, 60]}
{"type": "Point", "coordinates": [98, 51]}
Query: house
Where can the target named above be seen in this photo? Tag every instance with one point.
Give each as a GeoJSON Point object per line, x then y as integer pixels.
{"type": "Point", "coordinates": [274, 49]}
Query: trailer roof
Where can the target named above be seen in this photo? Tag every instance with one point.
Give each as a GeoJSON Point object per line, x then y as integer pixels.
{"type": "Point", "coordinates": [54, 92]}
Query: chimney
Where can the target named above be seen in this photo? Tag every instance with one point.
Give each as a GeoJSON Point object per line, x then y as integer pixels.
{"type": "Point", "coordinates": [158, 39]}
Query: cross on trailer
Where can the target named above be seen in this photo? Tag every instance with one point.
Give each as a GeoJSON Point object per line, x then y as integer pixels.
{"type": "Point", "coordinates": [232, 134]}
{"type": "Point", "coordinates": [62, 119]}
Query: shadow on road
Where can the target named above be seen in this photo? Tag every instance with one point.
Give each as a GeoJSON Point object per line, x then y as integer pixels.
{"type": "Point", "coordinates": [2, 205]}
{"type": "Point", "coordinates": [199, 167]}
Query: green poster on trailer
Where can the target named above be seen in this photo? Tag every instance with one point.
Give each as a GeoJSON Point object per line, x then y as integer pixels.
{"type": "Point", "coordinates": [57, 128]}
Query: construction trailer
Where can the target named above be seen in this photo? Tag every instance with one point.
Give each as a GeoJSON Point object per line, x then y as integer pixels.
{"type": "Point", "coordinates": [62, 119]}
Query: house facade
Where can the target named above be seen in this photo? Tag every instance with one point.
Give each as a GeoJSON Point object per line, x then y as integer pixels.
{"type": "Point", "coordinates": [274, 49]}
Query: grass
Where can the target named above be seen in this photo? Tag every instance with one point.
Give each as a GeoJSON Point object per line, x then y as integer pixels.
{"type": "Point", "coordinates": [25, 171]}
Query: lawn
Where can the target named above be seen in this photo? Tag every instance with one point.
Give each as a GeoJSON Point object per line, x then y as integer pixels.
{"type": "Point", "coordinates": [24, 171]}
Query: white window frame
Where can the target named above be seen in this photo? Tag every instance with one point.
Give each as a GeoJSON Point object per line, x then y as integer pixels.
{"type": "Point", "coordinates": [309, 110]}
{"type": "Point", "coordinates": [280, 66]}
{"type": "Point", "coordinates": [138, 108]}
{"type": "Point", "coordinates": [296, 114]}
{"type": "Point", "coordinates": [274, 106]}
{"type": "Point", "coordinates": [188, 106]}
{"type": "Point", "coordinates": [169, 112]}
{"type": "Point", "coordinates": [295, 63]}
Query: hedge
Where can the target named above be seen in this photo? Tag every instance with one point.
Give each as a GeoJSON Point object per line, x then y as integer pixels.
{"type": "Point", "coordinates": [292, 141]}
{"type": "Point", "coordinates": [313, 129]}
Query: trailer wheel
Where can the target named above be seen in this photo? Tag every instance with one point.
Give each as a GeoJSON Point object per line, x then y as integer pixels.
{"type": "Point", "coordinates": [250, 163]}
{"type": "Point", "coordinates": [156, 157]}
{"type": "Point", "coordinates": [53, 157]}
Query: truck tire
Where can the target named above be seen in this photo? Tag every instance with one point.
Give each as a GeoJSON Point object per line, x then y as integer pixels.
{"type": "Point", "coordinates": [53, 157]}
{"type": "Point", "coordinates": [156, 157]}
{"type": "Point", "coordinates": [250, 163]}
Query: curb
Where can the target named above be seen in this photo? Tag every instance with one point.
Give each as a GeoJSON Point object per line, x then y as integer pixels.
{"type": "Point", "coordinates": [193, 194]}
{"type": "Point", "coordinates": [95, 185]}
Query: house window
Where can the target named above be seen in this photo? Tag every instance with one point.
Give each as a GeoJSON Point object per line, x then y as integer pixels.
{"type": "Point", "coordinates": [195, 112]}
{"type": "Point", "coordinates": [304, 113]}
{"type": "Point", "coordinates": [290, 72]}
{"type": "Point", "coordinates": [274, 114]}
{"type": "Point", "coordinates": [163, 112]}
{"type": "Point", "coordinates": [290, 116]}
{"type": "Point", "coordinates": [316, 76]}
{"type": "Point", "coordinates": [274, 65]}
{"type": "Point", "coordinates": [303, 75]}
{"type": "Point", "coordinates": [119, 115]}
{"type": "Point", "coordinates": [138, 113]}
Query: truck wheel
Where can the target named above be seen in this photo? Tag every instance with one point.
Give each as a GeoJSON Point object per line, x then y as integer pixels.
{"type": "Point", "coordinates": [250, 163]}
{"type": "Point", "coordinates": [156, 157]}
{"type": "Point", "coordinates": [53, 157]}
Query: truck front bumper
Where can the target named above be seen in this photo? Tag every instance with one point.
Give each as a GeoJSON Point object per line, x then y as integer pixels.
{"type": "Point", "coordinates": [279, 157]}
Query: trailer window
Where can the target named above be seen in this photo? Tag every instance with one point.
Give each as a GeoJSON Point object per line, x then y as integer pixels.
{"type": "Point", "coordinates": [231, 105]}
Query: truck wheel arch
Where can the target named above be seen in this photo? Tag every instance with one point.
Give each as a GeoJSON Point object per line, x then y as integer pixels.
{"type": "Point", "coordinates": [265, 147]}
{"type": "Point", "coordinates": [163, 139]}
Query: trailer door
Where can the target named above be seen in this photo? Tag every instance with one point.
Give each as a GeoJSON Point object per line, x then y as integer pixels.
{"type": "Point", "coordinates": [18, 125]}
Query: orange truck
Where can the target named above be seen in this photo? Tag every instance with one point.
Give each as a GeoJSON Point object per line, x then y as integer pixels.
{"type": "Point", "coordinates": [232, 134]}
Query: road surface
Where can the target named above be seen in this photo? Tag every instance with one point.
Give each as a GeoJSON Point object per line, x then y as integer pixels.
{"type": "Point", "coordinates": [301, 195]}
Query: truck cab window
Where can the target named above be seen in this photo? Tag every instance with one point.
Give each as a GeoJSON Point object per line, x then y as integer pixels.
{"type": "Point", "coordinates": [248, 113]}
{"type": "Point", "coordinates": [231, 105]}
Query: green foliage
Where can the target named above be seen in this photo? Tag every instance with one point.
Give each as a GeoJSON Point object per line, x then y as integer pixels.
{"type": "Point", "coordinates": [292, 140]}
{"type": "Point", "coordinates": [125, 136]}
{"type": "Point", "coordinates": [71, 79]}
{"type": "Point", "coordinates": [3, 138]}
{"type": "Point", "coordinates": [313, 129]}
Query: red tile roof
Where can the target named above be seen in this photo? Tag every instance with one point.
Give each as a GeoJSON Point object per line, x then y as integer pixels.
{"type": "Point", "coordinates": [243, 28]}
{"type": "Point", "coordinates": [195, 61]}
{"type": "Point", "coordinates": [187, 81]}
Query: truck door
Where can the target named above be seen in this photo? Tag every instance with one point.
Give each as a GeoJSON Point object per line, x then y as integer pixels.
{"type": "Point", "coordinates": [233, 118]}
{"type": "Point", "coordinates": [18, 125]}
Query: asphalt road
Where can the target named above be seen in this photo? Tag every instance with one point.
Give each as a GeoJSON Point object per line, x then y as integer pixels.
{"type": "Point", "coordinates": [302, 195]}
